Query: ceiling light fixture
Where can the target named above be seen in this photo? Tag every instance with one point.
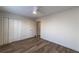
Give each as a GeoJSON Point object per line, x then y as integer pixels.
{"type": "Point", "coordinates": [35, 10]}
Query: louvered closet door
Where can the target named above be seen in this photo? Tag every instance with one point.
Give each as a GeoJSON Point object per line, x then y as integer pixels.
{"type": "Point", "coordinates": [17, 29]}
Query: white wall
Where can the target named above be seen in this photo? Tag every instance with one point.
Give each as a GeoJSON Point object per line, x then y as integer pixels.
{"type": "Point", "coordinates": [14, 28]}
{"type": "Point", "coordinates": [62, 28]}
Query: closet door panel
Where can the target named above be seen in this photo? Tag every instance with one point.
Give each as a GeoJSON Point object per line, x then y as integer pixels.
{"type": "Point", "coordinates": [16, 29]}
{"type": "Point", "coordinates": [19, 28]}
{"type": "Point", "coordinates": [1, 37]}
{"type": "Point", "coordinates": [24, 29]}
{"type": "Point", "coordinates": [11, 30]}
{"type": "Point", "coordinates": [5, 30]}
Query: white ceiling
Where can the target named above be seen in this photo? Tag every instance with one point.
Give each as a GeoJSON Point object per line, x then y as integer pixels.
{"type": "Point", "coordinates": [28, 10]}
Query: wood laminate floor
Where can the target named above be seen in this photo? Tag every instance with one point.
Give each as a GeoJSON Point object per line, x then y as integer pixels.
{"type": "Point", "coordinates": [34, 45]}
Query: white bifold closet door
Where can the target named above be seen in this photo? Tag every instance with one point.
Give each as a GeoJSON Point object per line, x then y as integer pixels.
{"type": "Point", "coordinates": [14, 30]}
{"type": "Point", "coordinates": [17, 29]}
{"type": "Point", "coordinates": [1, 38]}
{"type": "Point", "coordinates": [4, 31]}
{"type": "Point", "coordinates": [11, 30]}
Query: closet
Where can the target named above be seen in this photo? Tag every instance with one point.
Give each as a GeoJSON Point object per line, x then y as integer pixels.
{"type": "Point", "coordinates": [4, 30]}
{"type": "Point", "coordinates": [15, 29]}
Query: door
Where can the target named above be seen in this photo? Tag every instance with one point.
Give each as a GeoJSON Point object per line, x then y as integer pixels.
{"type": "Point", "coordinates": [1, 32]}
{"type": "Point", "coordinates": [38, 29]}
{"type": "Point", "coordinates": [4, 33]}
{"type": "Point", "coordinates": [5, 30]}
